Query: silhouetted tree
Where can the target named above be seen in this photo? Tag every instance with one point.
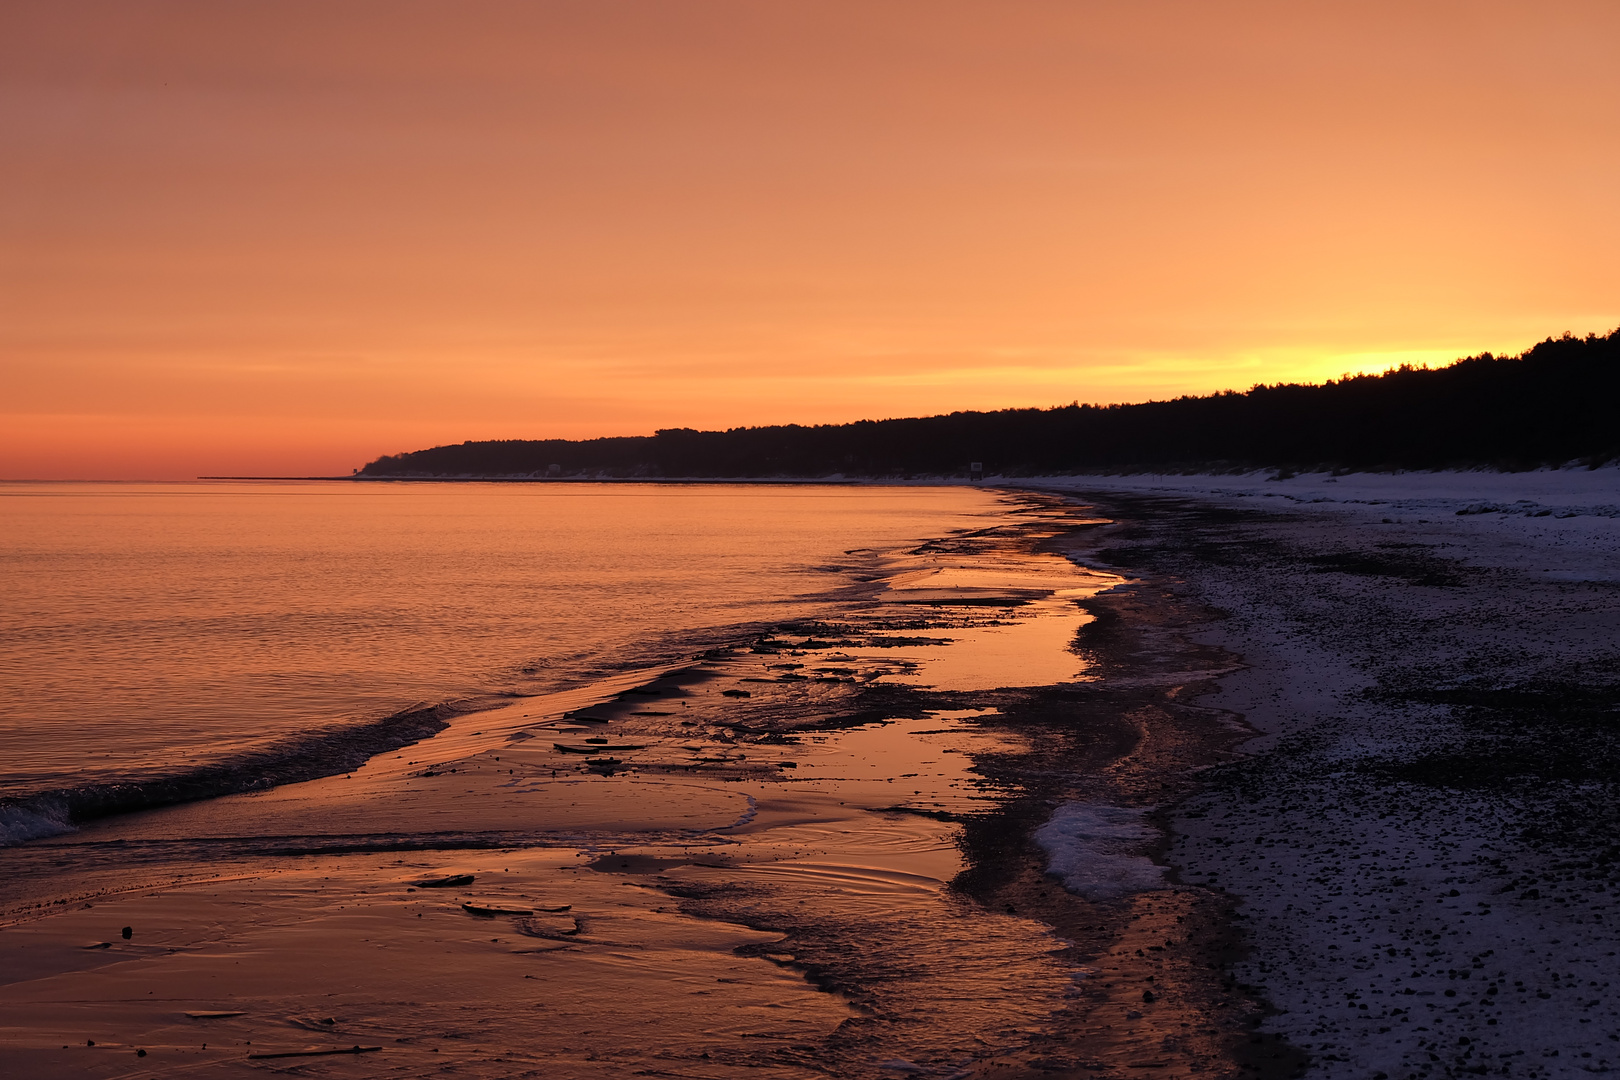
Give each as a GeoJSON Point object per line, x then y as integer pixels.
{"type": "Point", "coordinates": [1556, 403]}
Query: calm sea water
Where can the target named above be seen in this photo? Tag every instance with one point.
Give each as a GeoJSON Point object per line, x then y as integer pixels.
{"type": "Point", "coordinates": [146, 627]}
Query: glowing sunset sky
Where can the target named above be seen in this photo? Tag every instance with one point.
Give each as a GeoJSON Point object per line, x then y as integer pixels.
{"type": "Point", "coordinates": [278, 237]}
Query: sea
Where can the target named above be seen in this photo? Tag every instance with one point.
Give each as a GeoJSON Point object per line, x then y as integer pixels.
{"type": "Point", "coordinates": [150, 629]}
{"type": "Point", "coordinates": [571, 779]}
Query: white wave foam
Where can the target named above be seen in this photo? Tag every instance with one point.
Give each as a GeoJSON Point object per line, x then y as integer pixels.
{"type": "Point", "coordinates": [747, 815]}
{"type": "Point", "coordinates": [1096, 850]}
{"type": "Point", "coordinates": [22, 822]}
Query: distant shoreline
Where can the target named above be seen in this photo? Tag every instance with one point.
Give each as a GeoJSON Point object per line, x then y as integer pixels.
{"type": "Point", "coordinates": [1133, 475]}
{"type": "Point", "coordinates": [1548, 406]}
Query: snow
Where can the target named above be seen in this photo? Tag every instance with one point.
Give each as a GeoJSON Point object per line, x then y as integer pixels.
{"type": "Point", "coordinates": [1404, 924]}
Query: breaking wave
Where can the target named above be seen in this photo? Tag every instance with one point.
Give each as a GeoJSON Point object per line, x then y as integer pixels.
{"type": "Point", "coordinates": [308, 757]}
{"type": "Point", "coordinates": [1097, 850]}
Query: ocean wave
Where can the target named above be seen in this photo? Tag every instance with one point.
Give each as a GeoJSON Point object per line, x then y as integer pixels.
{"type": "Point", "coordinates": [33, 819]}
{"type": "Point", "coordinates": [307, 757]}
{"type": "Point", "coordinates": [1096, 850]}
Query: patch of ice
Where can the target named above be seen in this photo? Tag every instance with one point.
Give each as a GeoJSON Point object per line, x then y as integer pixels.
{"type": "Point", "coordinates": [1096, 850]}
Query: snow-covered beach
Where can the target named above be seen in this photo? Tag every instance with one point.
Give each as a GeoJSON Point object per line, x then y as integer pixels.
{"type": "Point", "coordinates": [1422, 841]}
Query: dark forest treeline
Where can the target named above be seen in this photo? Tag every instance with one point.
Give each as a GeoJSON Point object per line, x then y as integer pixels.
{"type": "Point", "coordinates": [1559, 402]}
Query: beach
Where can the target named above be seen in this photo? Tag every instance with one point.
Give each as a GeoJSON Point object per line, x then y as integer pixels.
{"type": "Point", "coordinates": [1421, 842]}
{"type": "Point", "coordinates": [1151, 773]}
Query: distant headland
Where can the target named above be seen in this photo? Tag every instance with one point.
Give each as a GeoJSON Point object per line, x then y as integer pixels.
{"type": "Point", "coordinates": [1557, 403]}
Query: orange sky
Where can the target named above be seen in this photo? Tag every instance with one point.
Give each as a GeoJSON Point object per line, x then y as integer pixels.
{"type": "Point", "coordinates": [283, 237]}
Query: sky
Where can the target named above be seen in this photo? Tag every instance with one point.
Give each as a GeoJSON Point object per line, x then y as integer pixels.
{"type": "Point", "coordinates": [276, 237]}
